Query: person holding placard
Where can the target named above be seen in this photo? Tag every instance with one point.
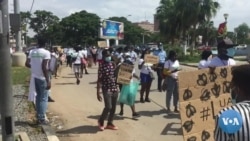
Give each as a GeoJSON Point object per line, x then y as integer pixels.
{"type": "Point", "coordinates": [233, 123]}
{"type": "Point", "coordinates": [226, 52]}
{"type": "Point", "coordinates": [172, 67]}
{"type": "Point", "coordinates": [128, 61]}
{"type": "Point", "coordinates": [146, 76]}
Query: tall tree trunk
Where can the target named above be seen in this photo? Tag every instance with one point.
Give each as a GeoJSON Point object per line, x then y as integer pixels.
{"type": "Point", "coordinates": [193, 41]}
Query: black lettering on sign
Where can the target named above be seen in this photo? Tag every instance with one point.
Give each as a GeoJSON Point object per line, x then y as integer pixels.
{"type": "Point", "coordinates": [193, 138]}
{"type": "Point", "coordinates": [225, 102]}
{"type": "Point", "coordinates": [216, 90]}
{"type": "Point", "coordinates": [202, 80]}
{"type": "Point", "coordinates": [226, 87]}
{"type": "Point", "coordinates": [205, 135]}
{"type": "Point", "coordinates": [223, 72]}
{"type": "Point", "coordinates": [212, 109]}
{"type": "Point", "coordinates": [205, 113]}
{"type": "Point", "coordinates": [190, 110]}
{"type": "Point", "coordinates": [187, 94]}
{"type": "Point", "coordinates": [212, 77]}
{"type": "Point", "coordinates": [205, 95]}
{"type": "Point", "coordinates": [188, 125]}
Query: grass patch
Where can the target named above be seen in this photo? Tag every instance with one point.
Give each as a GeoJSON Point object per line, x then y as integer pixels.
{"type": "Point", "coordinates": [189, 59]}
{"type": "Point", "coordinates": [20, 75]}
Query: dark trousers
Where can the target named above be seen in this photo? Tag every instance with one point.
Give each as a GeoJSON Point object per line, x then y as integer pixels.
{"type": "Point", "coordinates": [110, 99]}
{"type": "Point", "coordinates": [159, 75]}
{"type": "Point", "coordinates": [68, 60]}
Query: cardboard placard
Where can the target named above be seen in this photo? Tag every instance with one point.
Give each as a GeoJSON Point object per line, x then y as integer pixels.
{"type": "Point", "coordinates": [151, 59]}
{"type": "Point", "coordinates": [125, 73]}
{"type": "Point", "coordinates": [202, 95]}
{"type": "Point", "coordinates": [102, 44]}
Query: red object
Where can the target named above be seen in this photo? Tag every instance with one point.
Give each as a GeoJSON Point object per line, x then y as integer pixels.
{"type": "Point", "coordinates": [222, 28]}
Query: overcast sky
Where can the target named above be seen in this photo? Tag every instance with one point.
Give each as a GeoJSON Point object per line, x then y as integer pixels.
{"type": "Point", "coordinates": [139, 10]}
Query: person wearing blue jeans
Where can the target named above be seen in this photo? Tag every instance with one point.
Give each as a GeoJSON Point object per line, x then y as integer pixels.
{"type": "Point", "coordinates": [37, 61]}
{"type": "Point", "coordinates": [41, 98]}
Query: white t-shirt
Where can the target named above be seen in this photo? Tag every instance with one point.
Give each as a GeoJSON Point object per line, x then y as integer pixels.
{"type": "Point", "coordinates": [217, 62]}
{"type": "Point", "coordinates": [203, 64]}
{"type": "Point", "coordinates": [78, 57]}
{"type": "Point", "coordinates": [36, 57]}
{"type": "Point", "coordinates": [52, 64]}
{"type": "Point", "coordinates": [84, 53]}
{"type": "Point", "coordinates": [133, 56]}
{"type": "Point", "coordinates": [99, 54]}
{"type": "Point", "coordinates": [145, 69]}
{"type": "Point", "coordinates": [172, 66]}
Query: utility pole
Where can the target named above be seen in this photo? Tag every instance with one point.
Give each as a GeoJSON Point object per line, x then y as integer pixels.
{"type": "Point", "coordinates": [6, 97]}
{"type": "Point", "coordinates": [18, 32]}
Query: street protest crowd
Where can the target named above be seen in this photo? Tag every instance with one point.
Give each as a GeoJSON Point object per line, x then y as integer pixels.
{"type": "Point", "coordinates": [116, 73]}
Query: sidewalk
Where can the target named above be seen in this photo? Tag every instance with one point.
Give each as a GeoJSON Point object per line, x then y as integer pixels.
{"type": "Point", "coordinates": [79, 108]}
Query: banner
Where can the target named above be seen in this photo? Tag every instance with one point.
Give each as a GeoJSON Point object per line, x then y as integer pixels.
{"type": "Point", "coordinates": [112, 30]}
{"type": "Point", "coordinates": [102, 44]}
{"type": "Point", "coordinates": [151, 59]}
{"type": "Point", "coordinates": [125, 73]}
{"type": "Point", "coordinates": [202, 95]}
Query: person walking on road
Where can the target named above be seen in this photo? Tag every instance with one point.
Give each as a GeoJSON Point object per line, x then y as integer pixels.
{"type": "Point", "coordinates": [107, 83]}
{"type": "Point", "coordinates": [77, 64]}
{"type": "Point", "coordinates": [128, 60]}
{"type": "Point", "coordinates": [146, 79]}
{"type": "Point", "coordinates": [38, 60]}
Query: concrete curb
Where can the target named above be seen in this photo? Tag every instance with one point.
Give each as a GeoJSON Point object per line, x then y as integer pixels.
{"type": "Point", "coordinates": [49, 132]}
{"type": "Point", "coordinates": [22, 136]}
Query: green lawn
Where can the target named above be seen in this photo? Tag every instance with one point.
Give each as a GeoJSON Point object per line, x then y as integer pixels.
{"type": "Point", "coordinates": [20, 75]}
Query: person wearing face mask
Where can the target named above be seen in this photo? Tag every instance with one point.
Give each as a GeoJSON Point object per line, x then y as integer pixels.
{"type": "Point", "coordinates": [225, 56]}
{"type": "Point", "coordinates": [240, 83]}
{"type": "Point", "coordinates": [206, 57]}
{"type": "Point", "coordinates": [172, 66]}
{"type": "Point", "coordinates": [128, 60]}
{"type": "Point", "coordinates": [107, 83]}
{"type": "Point", "coordinates": [161, 53]}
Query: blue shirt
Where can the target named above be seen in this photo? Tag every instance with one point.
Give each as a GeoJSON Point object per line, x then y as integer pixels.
{"type": "Point", "coordinates": [162, 55]}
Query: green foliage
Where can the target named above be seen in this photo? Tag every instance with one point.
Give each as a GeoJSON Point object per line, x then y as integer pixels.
{"type": "Point", "coordinates": [20, 75]}
{"type": "Point", "coordinates": [189, 58]}
{"type": "Point", "coordinates": [242, 31]}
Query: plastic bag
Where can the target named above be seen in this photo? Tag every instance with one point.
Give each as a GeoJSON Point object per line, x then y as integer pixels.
{"type": "Point", "coordinates": [128, 93]}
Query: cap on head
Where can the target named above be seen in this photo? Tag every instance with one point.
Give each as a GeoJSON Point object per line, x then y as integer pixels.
{"type": "Point", "coordinates": [226, 43]}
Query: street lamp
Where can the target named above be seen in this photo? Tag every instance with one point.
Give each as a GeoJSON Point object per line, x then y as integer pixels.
{"type": "Point", "coordinates": [226, 16]}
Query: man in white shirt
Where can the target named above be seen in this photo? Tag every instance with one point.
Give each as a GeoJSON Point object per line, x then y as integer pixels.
{"type": "Point", "coordinates": [225, 56]}
{"type": "Point", "coordinates": [38, 60]}
{"type": "Point", "coordinates": [226, 52]}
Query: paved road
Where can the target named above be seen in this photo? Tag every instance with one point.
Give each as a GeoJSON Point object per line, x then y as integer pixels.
{"type": "Point", "coordinates": [79, 108]}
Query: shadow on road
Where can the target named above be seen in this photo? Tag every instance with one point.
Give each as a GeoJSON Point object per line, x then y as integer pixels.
{"type": "Point", "coordinates": [152, 113]}
{"type": "Point", "coordinates": [93, 82]}
{"type": "Point", "coordinates": [68, 77]}
{"type": "Point", "coordinates": [172, 129]}
{"type": "Point", "coordinates": [86, 129]}
{"type": "Point", "coordinates": [172, 116]}
{"type": "Point", "coordinates": [66, 83]}
{"type": "Point", "coordinates": [116, 117]}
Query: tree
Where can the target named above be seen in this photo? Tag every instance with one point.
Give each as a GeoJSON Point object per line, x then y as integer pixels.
{"type": "Point", "coordinates": [242, 32]}
{"type": "Point", "coordinates": [80, 28]}
{"type": "Point", "coordinates": [41, 21]}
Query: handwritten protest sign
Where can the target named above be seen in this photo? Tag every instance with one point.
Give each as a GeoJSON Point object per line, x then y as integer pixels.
{"type": "Point", "coordinates": [151, 59]}
{"type": "Point", "coordinates": [202, 95]}
{"type": "Point", "coordinates": [125, 73]}
{"type": "Point", "coordinates": [102, 44]}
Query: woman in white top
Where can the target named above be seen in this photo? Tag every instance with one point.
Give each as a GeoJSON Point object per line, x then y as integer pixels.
{"type": "Point", "coordinates": [77, 64]}
{"type": "Point", "coordinates": [206, 56]}
{"type": "Point", "coordinates": [145, 76]}
{"type": "Point", "coordinates": [173, 67]}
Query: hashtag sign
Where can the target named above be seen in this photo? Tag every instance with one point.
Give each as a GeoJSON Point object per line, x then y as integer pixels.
{"type": "Point", "coordinates": [205, 113]}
